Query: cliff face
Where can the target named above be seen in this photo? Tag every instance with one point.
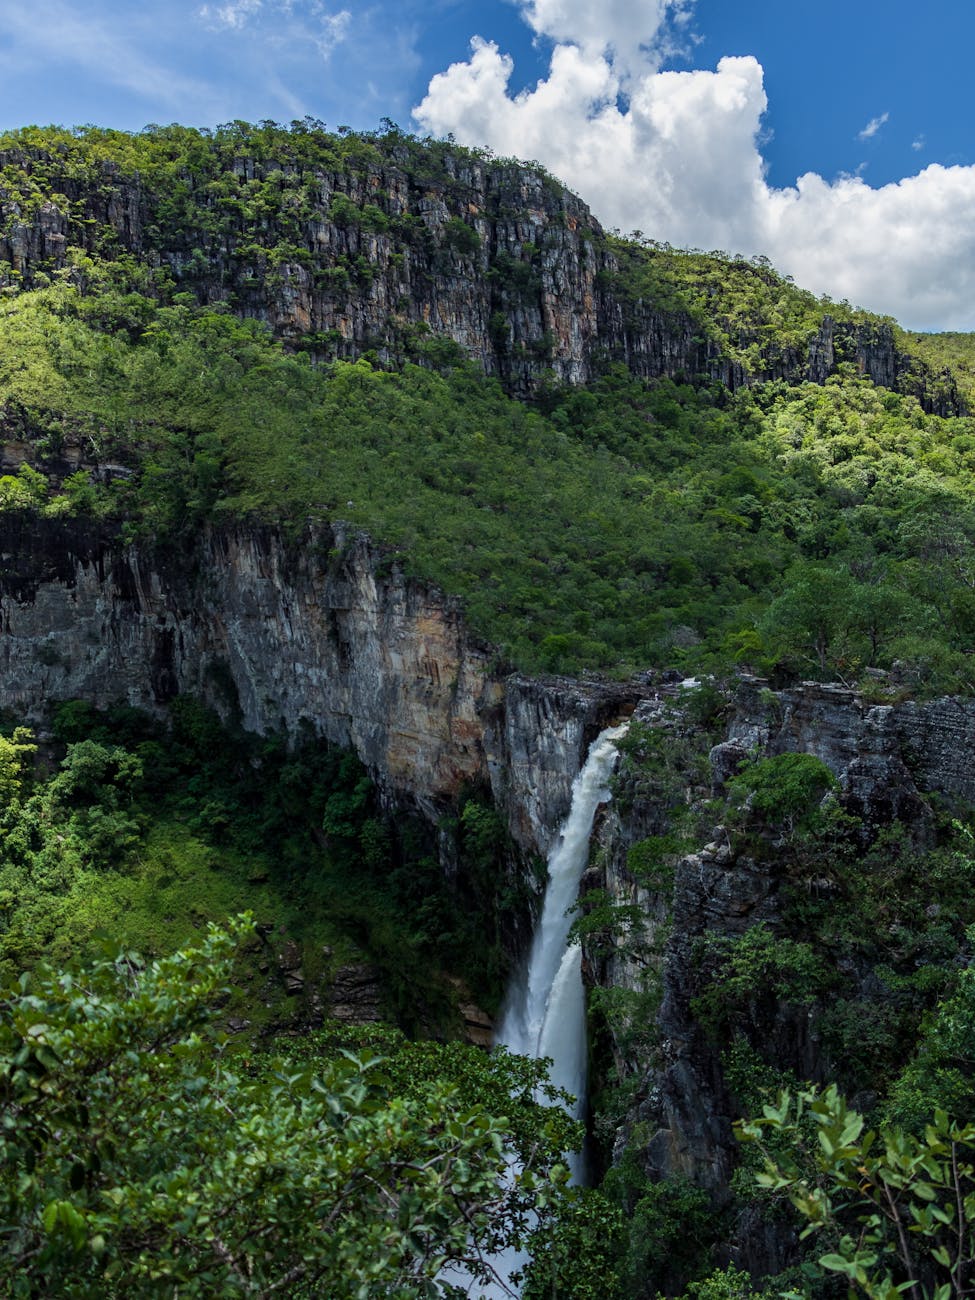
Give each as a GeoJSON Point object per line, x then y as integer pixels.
{"type": "Point", "coordinates": [892, 763]}
{"type": "Point", "coordinates": [391, 250]}
{"type": "Point", "coordinates": [320, 633]}
{"type": "Point", "coordinates": [323, 632]}
{"type": "Point", "coordinates": [494, 257]}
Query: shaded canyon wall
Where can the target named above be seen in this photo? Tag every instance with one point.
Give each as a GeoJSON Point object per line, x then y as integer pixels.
{"type": "Point", "coordinates": [322, 632]}
{"type": "Point", "coordinates": [892, 762]}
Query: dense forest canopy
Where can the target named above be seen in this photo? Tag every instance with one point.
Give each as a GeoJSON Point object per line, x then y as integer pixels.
{"type": "Point", "coordinates": [607, 526]}
{"type": "Point", "coordinates": [697, 466]}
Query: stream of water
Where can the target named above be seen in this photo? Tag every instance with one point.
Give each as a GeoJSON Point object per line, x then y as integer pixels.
{"type": "Point", "coordinates": [545, 1012]}
{"type": "Point", "coordinates": [545, 1009]}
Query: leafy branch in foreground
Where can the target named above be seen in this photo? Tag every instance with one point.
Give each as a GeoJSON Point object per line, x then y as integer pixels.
{"type": "Point", "coordinates": [900, 1207]}
{"type": "Point", "coordinates": [139, 1158]}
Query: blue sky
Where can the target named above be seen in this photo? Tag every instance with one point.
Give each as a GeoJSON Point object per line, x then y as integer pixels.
{"type": "Point", "coordinates": [831, 69]}
{"type": "Point", "coordinates": [688, 119]}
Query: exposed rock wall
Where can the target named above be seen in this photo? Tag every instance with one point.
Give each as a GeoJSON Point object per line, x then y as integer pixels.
{"type": "Point", "coordinates": [322, 633]}
{"type": "Point", "coordinates": [379, 255]}
{"type": "Point", "coordinates": [523, 292]}
{"type": "Point", "coordinates": [882, 754]}
{"type": "Point", "coordinates": [887, 760]}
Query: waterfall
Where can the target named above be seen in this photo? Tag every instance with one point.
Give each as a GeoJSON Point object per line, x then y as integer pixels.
{"type": "Point", "coordinates": [545, 1007]}
{"type": "Point", "coordinates": [545, 1010]}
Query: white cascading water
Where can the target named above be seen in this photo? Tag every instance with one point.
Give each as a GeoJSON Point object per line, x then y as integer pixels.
{"type": "Point", "coordinates": [545, 1011]}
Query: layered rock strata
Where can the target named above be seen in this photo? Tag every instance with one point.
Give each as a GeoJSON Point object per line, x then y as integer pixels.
{"type": "Point", "coordinates": [323, 634]}
{"type": "Point", "coordinates": [494, 256]}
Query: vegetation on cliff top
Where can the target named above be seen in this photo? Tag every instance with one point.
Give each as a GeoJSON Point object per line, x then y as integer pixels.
{"type": "Point", "coordinates": [820, 529]}
{"type": "Point", "coordinates": [805, 529]}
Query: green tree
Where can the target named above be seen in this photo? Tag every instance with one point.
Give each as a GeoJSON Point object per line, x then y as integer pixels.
{"type": "Point", "coordinates": [139, 1158]}
{"type": "Point", "coordinates": [16, 752]}
{"type": "Point", "coordinates": [813, 618]}
{"type": "Point", "coordinates": [942, 1072]}
{"type": "Point", "coordinates": [578, 1256]}
{"type": "Point", "coordinates": [898, 1208]}
{"type": "Point", "coordinates": [785, 791]}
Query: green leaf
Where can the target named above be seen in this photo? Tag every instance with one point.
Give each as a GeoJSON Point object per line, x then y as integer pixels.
{"type": "Point", "coordinates": [838, 1264]}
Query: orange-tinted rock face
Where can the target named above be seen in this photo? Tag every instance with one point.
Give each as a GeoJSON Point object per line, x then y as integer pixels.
{"type": "Point", "coordinates": [291, 636]}
{"type": "Point", "coordinates": [495, 256]}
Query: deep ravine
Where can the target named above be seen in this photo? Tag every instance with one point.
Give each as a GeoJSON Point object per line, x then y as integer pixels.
{"type": "Point", "coordinates": [545, 1013]}
{"type": "Point", "coordinates": [545, 1008]}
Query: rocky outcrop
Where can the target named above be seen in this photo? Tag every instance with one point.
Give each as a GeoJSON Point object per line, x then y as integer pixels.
{"type": "Point", "coordinates": [322, 634]}
{"type": "Point", "coordinates": [355, 994]}
{"type": "Point", "coordinates": [535, 753]}
{"type": "Point", "coordinates": [871, 347]}
{"type": "Point", "coordinates": [388, 248]}
{"type": "Point", "coordinates": [882, 754]}
{"type": "Point", "coordinates": [284, 636]}
{"type": "Point", "coordinates": [888, 759]}
{"type": "Point", "coordinates": [493, 256]}
{"type": "Point", "coordinates": [478, 1025]}
{"type": "Point", "coordinates": [937, 739]}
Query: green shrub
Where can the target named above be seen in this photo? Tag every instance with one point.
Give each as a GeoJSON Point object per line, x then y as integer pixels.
{"type": "Point", "coordinates": [460, 236]}
{"type": "Point", "coordinates": [742, 978]}
{"type": "Point", "coordinates": [785, 791]}
{"type": "Point", "coordinates": [670, 1228]}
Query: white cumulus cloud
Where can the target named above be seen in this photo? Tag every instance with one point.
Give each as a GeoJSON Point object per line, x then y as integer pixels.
{"type": "Point", "coordinates": [634, 32]}
{"type": "Point", "coordinates": [683, 147]}
{"type": "Point", "coordinates": [677, 155]}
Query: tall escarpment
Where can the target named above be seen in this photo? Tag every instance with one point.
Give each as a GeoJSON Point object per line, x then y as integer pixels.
{"type": "Point", "coordinates": [743, 954]}
{"type": "Point", "coordinates": [320, 634]}
{"type": "Point", "coordinates": [378, 249]}
{"type": "Point", "coordinates": [348, 245]}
